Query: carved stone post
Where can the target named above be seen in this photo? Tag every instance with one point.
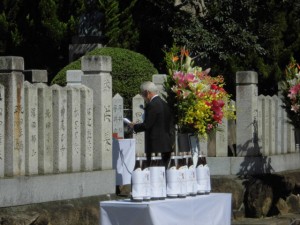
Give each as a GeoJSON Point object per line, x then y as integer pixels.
{"type": "Point", "coordinates": [247, 113]}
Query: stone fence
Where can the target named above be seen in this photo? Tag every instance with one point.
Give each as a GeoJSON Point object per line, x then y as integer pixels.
{"type": "Point", "coordinates": [61, 137]}
{"type": "Point", "coordinates": [55, 142]}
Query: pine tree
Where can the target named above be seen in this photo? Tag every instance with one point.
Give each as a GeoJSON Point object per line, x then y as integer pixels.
{"type": "Point", "coordinates": [130, 35]}
{"type": "Point", "coordinates": [112, 22]}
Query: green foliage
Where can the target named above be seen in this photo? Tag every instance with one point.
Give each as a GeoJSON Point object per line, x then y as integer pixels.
{"type": "Point", "coordinates": [129, 31]}
{"type": "Point", "coordinates": [41, 31]}
{"type": "Point", "coordinates": [226, 35]}
{"type": "Point", "coordinates": [129, 70]}
{"type": "Point", "coordinates": [36, 31]}
{"type": "Point", "coordinates": [112, 21]}
{"type": "Point", "coordinates": [119, 27]}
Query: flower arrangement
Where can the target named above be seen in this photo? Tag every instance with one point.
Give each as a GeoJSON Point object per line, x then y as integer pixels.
{"type": "Point", "coordinates": [198, 100]}
{"type": "Point", "coordinates": [291, 92]}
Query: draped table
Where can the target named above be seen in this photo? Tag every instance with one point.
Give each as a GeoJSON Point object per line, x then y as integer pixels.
{"type": "Point", "coordinates": [212, 209]}
{"type": "Point", "coordinates": [123, 159]}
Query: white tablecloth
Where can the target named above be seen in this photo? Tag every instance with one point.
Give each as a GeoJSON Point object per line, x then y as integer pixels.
{"type": "Point", "coordinates": [212, 209]}
{"type": "Point", "coordinates": [123, 159]}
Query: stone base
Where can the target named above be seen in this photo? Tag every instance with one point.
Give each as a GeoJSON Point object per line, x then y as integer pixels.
{"type": "Point", "coordinates": [249, 165]}
{"type": "Point", "coordinates": [36, 189]}
{"type": "Point", "coordinates": [83, 211]}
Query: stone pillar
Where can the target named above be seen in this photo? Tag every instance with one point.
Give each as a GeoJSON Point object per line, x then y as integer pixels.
{"type": "Point", "coordinates": [45, 129]}
{"type": "Point", "coordinates": [97, 76]}
{"type": "Point", "coordinates": [278, 125]}
{"type": "Point", "coordinates": [284, 131]}
{"type": "Point", "coordinates": [36, 76]}
{"type": "Point", "coordinates": [31, 128]}
{"type": "Point", "coordinates": [158, 80]}
{"type": "Point", "coordinates": [87, 133]}
{"type": "Point", "coordinates": [74, 77]}
{"type": "Point", "coordinates": [222, 139]}
{"type": "Point", "coordinates": [204, 147]}
{"type": "Point", "coordinates": [118, 124]}
{"type": "Point", "coordinates": [272, 125]}
{"type": "Point", "coordinates": [265, 124]}
{"type": "Point", "coordinates": [291, 145]}
{"type": "Point", "coordinates": [60, 138]}
{"type": "Point", "coordinates": [2, 129]}
{"type": "Point", "coordinates": [247, 113]}
{"type": "Point", "coordinates": [137, 117]}
{"type": "Point", "coordinates": [12, 78]}
{"type": "Point", "coordinates": [74, 128]}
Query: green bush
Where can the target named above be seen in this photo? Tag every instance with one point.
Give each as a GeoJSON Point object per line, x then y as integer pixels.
{"type": "Point", "coordinates": [129, 70]}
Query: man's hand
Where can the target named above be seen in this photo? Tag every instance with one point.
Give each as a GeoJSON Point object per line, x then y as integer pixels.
{"type": "Point", "coordinates": [131, 125]}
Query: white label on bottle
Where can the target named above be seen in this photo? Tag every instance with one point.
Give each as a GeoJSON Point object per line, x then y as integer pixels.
{"type": "Point", "coordinates": [157, 181]}
{"type": "Point", "coordinates": [183, 180]}
{"type": "Point", "coordinates": [201, 173]}
{"type": "Point", "coordinates": [164, 182]}
{"type": "Point", "coordinates": [208, 184]}
{"type": "Point", "coordinates": [138, 185]}
{"type": "Point", "coordinates": [147, 194]}
{"type": "Point", "coordinates": [191, 180]}
{"type": "Point", "coordinates": [172, 182]}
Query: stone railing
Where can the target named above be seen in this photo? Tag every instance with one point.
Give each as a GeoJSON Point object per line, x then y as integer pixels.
{"type": "Point", "coordinates": [53, 130]}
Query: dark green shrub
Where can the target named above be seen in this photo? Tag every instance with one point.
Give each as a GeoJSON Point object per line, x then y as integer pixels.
{"type": "Point", "coordinates": [129, 70]}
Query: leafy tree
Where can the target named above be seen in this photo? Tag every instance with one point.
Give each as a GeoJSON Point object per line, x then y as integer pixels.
{"type": "Point", "coordinates": [226, 35]}
{"type": "Point", "coordinates": [154, 19]}
{"type": "Point", "coordinates": [34, 30]}
{"type": "Point", "coordinates": [41, 30]}
{"type": "Point", "coordinates": [112, 21]}
{"type": "Point", "coordinates": [129, 32]}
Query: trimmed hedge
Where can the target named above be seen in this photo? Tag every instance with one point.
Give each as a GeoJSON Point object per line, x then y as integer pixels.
{"type": "Point", "coordinates": [129, 70]}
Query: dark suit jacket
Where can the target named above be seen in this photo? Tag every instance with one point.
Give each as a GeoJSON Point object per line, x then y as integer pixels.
{"type": "Point", "coordinates": [158, 126]}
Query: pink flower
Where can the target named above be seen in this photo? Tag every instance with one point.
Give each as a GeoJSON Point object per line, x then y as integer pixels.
{"type": "Point", "coordinates": [179, 77]}
{"type": "Point", "coordinates": [189, 77]}
{"type": "Point", "coordinates": [295, 108]}
{"type": "Point", "coordinates": [292, 96]}
{"type": "Point", "coordinates": [209, 126]}
{"type": "Point", "coordinates": [295, 89]}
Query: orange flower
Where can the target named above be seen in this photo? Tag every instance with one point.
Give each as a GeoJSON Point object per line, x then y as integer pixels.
{"type": "Point", "coordinates": [291, 65]}
{"type": "Point", "coordinates": [175, 58]}
{"type": "Point", "coordinates": [184, 52]}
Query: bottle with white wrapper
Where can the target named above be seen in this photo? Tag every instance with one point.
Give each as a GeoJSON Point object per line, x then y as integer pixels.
{"type": "Point", "coordinates": [172, 178]}
{"type": "Point", "coordinates": [157, 178]}
{"type": "Point", "coordinates": [203, 176]}
{"type": "Point", "coordinates": [137, 181]}
{"type": "Point", "coordinates": [146, 172]}
{"type": "Point", "coordinates": [208, 184]}
{"type": "Point", "coordinates": [182, 172]}
{"type": "Point", "coordinates": [191, 176]}
{"type": "Point", "coordinates": [163, 178]}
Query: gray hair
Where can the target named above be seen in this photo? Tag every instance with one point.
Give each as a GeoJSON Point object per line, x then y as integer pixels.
{"type": "Point", "coordinates": [149, 86]}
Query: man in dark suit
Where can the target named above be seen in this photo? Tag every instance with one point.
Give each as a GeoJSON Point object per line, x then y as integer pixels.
{"type": "Point", "coordinates": [157, 124]}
